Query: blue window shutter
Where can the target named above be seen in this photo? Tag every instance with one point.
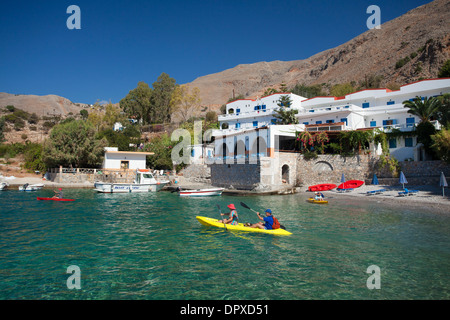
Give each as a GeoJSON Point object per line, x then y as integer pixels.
{"type": "Point", "coordinates": [392, 143]}
{"type": "Point", "coordinates": [408, 142]}
{"type": "Point", "coordinates": [366, 105]}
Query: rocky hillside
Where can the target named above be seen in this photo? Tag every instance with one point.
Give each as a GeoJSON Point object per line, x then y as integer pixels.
{"type": "Point", "coordinates": [49, 105]}
{"type": "Point", "coordinates": [47, 110]}
{"type": "Point", "coordinates": [404, 50]}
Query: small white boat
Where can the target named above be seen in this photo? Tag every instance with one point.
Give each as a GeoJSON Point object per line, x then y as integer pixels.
{"type": "Point", "coordinates": [4, 186]}
{"type": "Point", "coordinates": [201, 192]}
{"type": "Point", "coordinates": [31, 187]}
{"type": "Point", "coordinates": [144, 182]}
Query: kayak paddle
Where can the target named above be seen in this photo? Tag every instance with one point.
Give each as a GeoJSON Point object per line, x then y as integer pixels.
{"type": "Point", "coordinates": [220, 211]}
{"type": "Point", "coordinates": [247, 207]}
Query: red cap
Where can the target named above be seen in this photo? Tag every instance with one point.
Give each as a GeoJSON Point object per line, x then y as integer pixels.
{"type": "Point", "coordinates": [231, 206]}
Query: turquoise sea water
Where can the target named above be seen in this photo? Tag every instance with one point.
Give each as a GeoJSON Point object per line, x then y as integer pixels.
{"type": "Point", "coordinates": [150, 246]}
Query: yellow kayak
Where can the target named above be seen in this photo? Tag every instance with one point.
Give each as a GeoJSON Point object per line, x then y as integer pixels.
{"type": "Point", "coordinates": [210, 222]}
{"type": "Point", "coordinates": [312, 200]}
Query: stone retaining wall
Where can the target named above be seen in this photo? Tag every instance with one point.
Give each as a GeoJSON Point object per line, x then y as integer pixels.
{"type": "Point", "coordinates": [424, 168]}
{"type": "Point", "coordinates": [267, 174]}
{"type": "Point", "coordinates": [237, 176]}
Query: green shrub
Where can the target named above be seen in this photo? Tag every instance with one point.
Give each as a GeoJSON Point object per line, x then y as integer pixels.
{"type": "Point", "coordinates": [400, 63]}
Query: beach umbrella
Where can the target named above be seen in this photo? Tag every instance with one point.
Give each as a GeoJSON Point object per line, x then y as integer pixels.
{"type": "Point", "coordinates": [443, 183]}
{"type": "Point", "coordinates": [402, 179]}
{"type": "Point", "coordinates": [375, 179]}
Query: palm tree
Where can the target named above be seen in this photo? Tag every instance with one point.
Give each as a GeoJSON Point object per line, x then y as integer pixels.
{"type": "Point", "coordinates": [356, 139]}
{"type": "Point", "coordinates": [425, 109]}
{"type": "Point", "coordinates": [284, 113]}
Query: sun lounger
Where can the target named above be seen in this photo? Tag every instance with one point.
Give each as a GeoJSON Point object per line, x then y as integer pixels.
{"type": "Point", "coordinates": [407, 192]}
{"type": "Point", "coordinates": [344, 190]}
{"type": "Point", "coordinates": [379, 191]}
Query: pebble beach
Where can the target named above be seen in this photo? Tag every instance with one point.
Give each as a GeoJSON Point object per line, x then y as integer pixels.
{"type": "Point", "coordinates": [428, 198]}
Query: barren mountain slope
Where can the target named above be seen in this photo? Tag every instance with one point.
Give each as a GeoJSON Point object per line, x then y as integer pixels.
{"type": "Point", "coordinates": [49, 105]}
{"type": "Point", "coordinates": [422, 34]}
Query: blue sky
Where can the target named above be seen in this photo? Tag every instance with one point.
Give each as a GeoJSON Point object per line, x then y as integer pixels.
{"type": "Point", "coordinates": [123, 42]}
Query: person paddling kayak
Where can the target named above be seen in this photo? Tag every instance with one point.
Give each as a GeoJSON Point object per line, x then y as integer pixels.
{"type": "Point", "coordinates": [58, 194]}
{"type": "Point", "coordinates": [232, 216]}
{"type": "Point", "coordinates": [266, 222]}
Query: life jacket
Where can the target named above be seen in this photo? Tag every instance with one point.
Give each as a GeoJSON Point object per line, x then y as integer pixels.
{"type": "Point", "coordinates": [235, 217]}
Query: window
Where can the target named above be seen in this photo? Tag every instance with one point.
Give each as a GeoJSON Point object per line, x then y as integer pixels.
{"type": "Point", "coordinates": [373, 123]}
{"type": "Point", "coordinates": [306, 123]}
{"type": "Point", "coordinates": [238, 111]}
{"type": "Point", "coordinates": [392, 143]}
{"type": "Point", "coordinates": [330, 121]}
{"type": "Point", "coordinates": [273, 121]}
{"type": "Point", "coordinates": [238, 125]}
{"type": "Point", "coordinates": [264, 107]}
{"type": "Point", "coordinates": [408, 142]}
{"type": "Point", "coordinates": [389, 122]}
{"type": "Point", "coordinates": [366, 105]}
{"type": "Point", "coordinates": [124, 164]}
{"type": "Point", "coordinates": [389, 103]}
{"type": "Point", "coordinates": [318, 122]}
{"type": "Point", "coordinates": [344, 120]}
{"type": "Point", "coordinates": [255, 124]}
{"type": "Point", "coordinates": [192, 153]}
{"type": "Point", "coordinates": [410, 122]}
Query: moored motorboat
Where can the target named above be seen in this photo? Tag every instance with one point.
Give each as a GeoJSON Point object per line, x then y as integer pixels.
{"type": "Point", "coordinates": [4, 186]}
{"type": "Point", "coordinates": [31, 187]}
{"type": "Point", "coordinates": [201, 192]}
{"type": "Point", "coordinates": [144, 182]}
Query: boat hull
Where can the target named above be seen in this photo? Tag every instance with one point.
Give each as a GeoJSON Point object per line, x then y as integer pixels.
{"type": "Point", "coordinates": [33, 187]}
{"type": "Point", "coordinates": [351, 184]}
{"type": "Point", "coordinates": [210, 222]}
{"type": "Point", "coordinates": [322, 187]}
{"type": "Point", "coordinates": [128, 187]}
{"type": "Point", "coordinates": [201, 192]}
{"type": "Point", "coordinates": [54, 199]}
{"type": "Point", "coordinates": [311, 200]}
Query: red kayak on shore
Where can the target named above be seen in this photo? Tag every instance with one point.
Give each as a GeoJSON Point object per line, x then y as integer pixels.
{"type": "Point", "coordinates": [351, 184]}
{"type": "Point", "coordinates": [55, 199]}
{"type": "Point", "coordinates": [322, 187]}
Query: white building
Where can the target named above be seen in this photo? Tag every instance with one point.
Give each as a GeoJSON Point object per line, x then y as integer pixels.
{"type": "Point", "coordinates": [118, 126]}
{"type": "Point", "coordinates": [116, 160]}
{"type": "Point", "coordinates": [248, 127]}
{"type": "Point", "coordinates": [201, 153]}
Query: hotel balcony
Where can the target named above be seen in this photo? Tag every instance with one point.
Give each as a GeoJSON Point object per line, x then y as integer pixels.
{"type": "Point", "coordinates": [345, 108]}
{"type": "Point", "coordinates": [408, 126]}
